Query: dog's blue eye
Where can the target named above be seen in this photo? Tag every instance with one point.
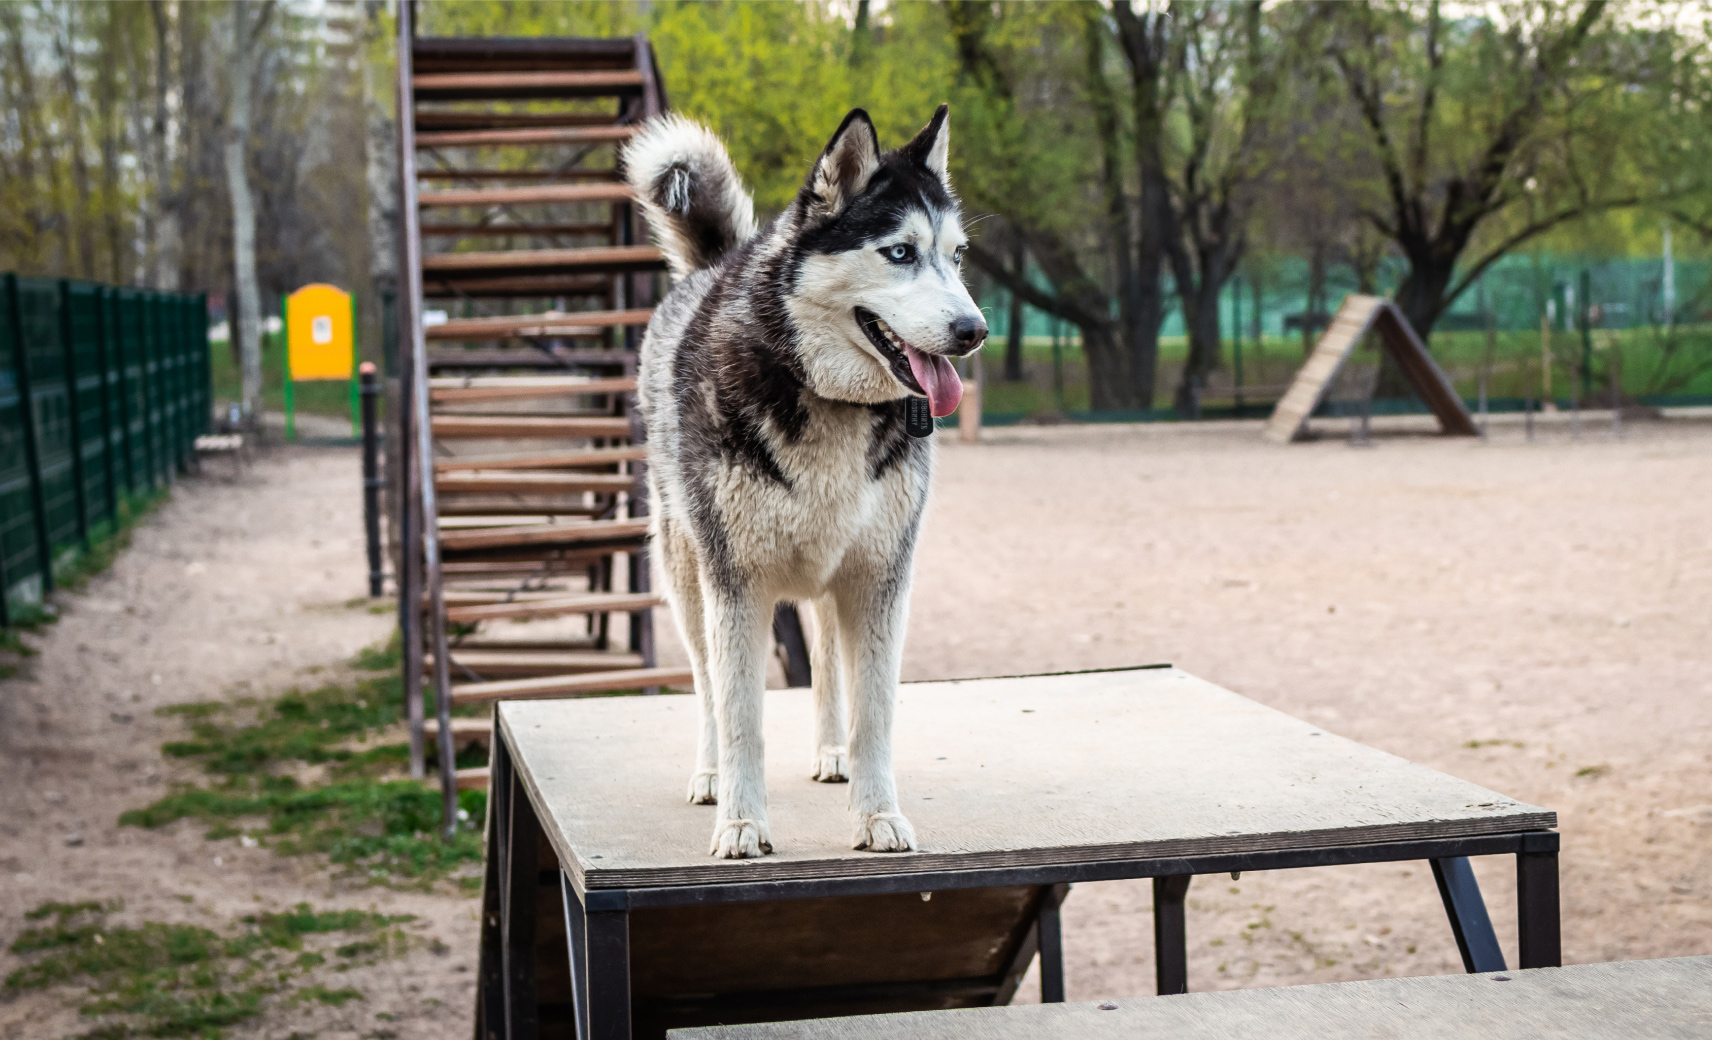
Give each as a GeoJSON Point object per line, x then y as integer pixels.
{"type": "Point", "coordinates": [957, 254]}
{"type": "Point", "coordinates": [902, 253]}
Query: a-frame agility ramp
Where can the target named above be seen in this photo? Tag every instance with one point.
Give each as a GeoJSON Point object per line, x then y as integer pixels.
{"type": "Point", "coordinates": [1358, 316]}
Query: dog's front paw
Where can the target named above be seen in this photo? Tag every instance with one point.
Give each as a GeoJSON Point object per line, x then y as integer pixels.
{"type": "Point", "coordinates": [704, 787]}
{"type": "Point", "coordinates": [740, 839]}
{"type": "Point", "coordinates": [829, 764]}
{"type": "Point", "coordinates": [884, 832]}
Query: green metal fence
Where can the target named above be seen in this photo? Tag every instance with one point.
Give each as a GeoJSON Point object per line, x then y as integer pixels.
{"type": "Point", "coordinates": [103, 391]}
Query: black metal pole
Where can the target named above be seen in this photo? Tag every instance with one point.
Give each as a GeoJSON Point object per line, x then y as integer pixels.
{"type": "Point", "coordinates": [369, 389]}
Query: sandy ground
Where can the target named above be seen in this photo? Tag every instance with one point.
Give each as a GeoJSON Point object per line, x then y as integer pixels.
{"type": "Point", "coordinates": [1546, 600]}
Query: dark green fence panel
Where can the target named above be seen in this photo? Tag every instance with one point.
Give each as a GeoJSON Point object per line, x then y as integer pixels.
{"type": "Point", "coordinates": [21, 551]}
{"type": "Point", "coordinates": [102, 394]}
{"type": "Point", "coordinates": [136, 390]}
{"type": "Point", "coordinates": [38, 318]}
{"type": "Point", "coordinates": [155, 375]}
{"type": "Point", "coordinates": [87, 377]}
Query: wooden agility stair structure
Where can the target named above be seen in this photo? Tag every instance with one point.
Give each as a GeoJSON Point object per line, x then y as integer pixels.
{"type": "Point", "coordinates": [1357, 316]}
{"type": "Point", "coordinates": [525, 497]}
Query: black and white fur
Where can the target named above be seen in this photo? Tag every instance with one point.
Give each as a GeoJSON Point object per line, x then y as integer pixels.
{"type": "Point", "coordinates": [773, 379]}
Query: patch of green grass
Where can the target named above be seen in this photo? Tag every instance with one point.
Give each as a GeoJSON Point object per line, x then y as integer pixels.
{"type": "Point", "coordinates": [365, 816]}
{"type": "Point", "coordinates": [162, 979]}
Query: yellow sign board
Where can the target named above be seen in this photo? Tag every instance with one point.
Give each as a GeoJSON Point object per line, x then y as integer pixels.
{"type": "Point", "coordinates": [318, 333]}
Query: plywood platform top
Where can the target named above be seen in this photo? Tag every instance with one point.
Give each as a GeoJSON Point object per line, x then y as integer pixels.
{"type": "Point", "coordinates": [1035, 771]}
{"type": "Point", "coordinates": [1660, 1000]}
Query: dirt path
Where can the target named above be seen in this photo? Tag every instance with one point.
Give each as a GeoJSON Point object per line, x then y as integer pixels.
{"type": "Point", "coordinates": [231, 589]}
{"type": "Point", "coordinates": [1544, 602]}
{"type": "Point", "coordinates": [1547, 601]}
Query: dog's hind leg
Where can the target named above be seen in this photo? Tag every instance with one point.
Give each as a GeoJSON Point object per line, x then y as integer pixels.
{"type": "Point", "coordinates": [738, 624]}
{"type": "Point", "coordinates": [831, 754]}
{"type": "Point", "coordinates": [873, 612]}
{"type": "Point", "coordinates": [678, 557]}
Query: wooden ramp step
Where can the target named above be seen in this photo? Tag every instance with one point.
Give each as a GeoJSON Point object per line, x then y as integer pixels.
{"type": "Point", "coordinates": [447, 427]}
{"type": "Point", "coordinates": [545, 324]}
{"type": "Point", "coordinates": [524, 136]}
{"type": "Point", "coordinates": [591, 534]}
{"type": "Point", "coordinates": [477, 482]}
{"type": "Point", "coordinates": [432, 120]}
{"type": "Point", "coordinates": [512, 664]}
{"type": "Point", "coordinates": [571, 685]}
{"type": "Point", "coordinates": [472, 779]}
{"type": "Point", "coordinates": [557, 359]}
{"type": "Point", "coordinates": [545, 459]}
{"type": "Point", "coordinates": [562, 606]}
{"type": "Point", "coordinates": [515, 230]}
{"type": "Point", "coordinates": [477, 388]}
{"type": "Point", "coordinates": [552, 285]}
{"type": "Point", "coordinates": [477, 597]}
{"type": "Point", "coordinates": [464, 731]}
{"type": "Point", "coordinates": [535, 194]}
{"type": "Point", "coordinates": [505, 86]}
{"type": "Point", "coordinates": [444, 266]}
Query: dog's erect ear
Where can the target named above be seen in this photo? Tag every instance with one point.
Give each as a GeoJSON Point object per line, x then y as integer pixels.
{"type": "Point", "coordinates": [848, 164]}
{"type": "Point", "coordinates": [932, 147]}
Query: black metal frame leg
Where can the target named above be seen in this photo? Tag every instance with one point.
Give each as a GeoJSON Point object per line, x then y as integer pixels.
{"type": "Point", "coordinates": [606, 945]}
{"type": "Point", "coordinates": [490, 987]}
{"type": "Point", "coordinates": [519, 880]}
{"type": "Point", "coordinates": [1050, 929]}
{"type": "Point", "coordinates": [1537, 910]}
{"type": "Point", "coordinates": [1170, 935]}
{"type": "Point", "coordinates": [1469, 922]}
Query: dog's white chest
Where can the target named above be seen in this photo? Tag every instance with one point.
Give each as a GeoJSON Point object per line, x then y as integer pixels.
{"type": "Point", "coordinates": [797, 536]}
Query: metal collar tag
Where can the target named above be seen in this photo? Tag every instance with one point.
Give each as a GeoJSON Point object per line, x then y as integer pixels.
{"type": "Point", "coordinates": [918, 416]}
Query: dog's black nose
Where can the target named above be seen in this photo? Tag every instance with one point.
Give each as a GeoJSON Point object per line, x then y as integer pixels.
{"type": "Point", "coordinates": [969, 332]}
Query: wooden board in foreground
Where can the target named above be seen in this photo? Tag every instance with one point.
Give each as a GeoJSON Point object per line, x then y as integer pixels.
{"type": "Point", "coordinates": [1659, 1000]}
{"type": "Point", "coordinates": [1354, 319]}
{"type": "Point", "coordinates": [1036, 771]}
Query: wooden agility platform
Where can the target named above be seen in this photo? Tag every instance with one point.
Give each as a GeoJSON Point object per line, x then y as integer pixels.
{"type": "Point", "coordinates": [1017, 787]}
{"type": "Point", "coordinates": [1659, 1000]}
{"type": "Point", "coordinates": [1354, 319]}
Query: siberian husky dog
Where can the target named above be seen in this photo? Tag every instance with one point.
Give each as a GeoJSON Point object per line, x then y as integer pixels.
{"type": "Point", "coordinates": [783, 382]}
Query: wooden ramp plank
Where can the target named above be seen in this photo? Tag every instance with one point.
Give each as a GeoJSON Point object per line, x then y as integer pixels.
{"type": "Point", "coordinates": [497, 86]}
{"type": "Point", "coordinates": [525, 482]}
{"type": "Point", "coordinates": [544, 459]}
{"type": "Point", "coordinates": [531, 426]}
{"type": "Point", "coordinates": [558, 686]}
{"type": "Point", "coordinates": [524, 136]}
{"type": "Point", "coordinates": [558, 606]}
{"type": "Point", "coordinates": [1351, 322]}
{"type": "Point", "coordinates": [515, 325]}
{"type": "Point", "coordinates": [537, 194]}
{"type": "Point", "coordinates": [597, 532]}
{"type": "Point", "coordinates": [1357, 316]}
{"type": "Point", "coordinates": [512, 664]}
{"type": "Point", "coordinates": [1174, 767]}
{"type": "Point", "coordinates": [473, 779]}
{"type": "Point", "coordinates": [1669, 999]}
{"type": "Point", "coordinates": [606, 259]}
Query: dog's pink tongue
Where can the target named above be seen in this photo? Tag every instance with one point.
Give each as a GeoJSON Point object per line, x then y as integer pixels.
{"type": "Point", "coordinates": [938, 378]}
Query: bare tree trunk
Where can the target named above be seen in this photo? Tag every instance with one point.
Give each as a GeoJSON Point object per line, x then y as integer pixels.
{"type": "Point", "coordinates": [83, 220]}
{"type": "Point", "coordinates": [161, 209]}
{"type": "Point", "coordinates": [246, 33]}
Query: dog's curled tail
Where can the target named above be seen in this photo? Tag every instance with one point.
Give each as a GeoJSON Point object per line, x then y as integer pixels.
{"type": "Point", "coordinates": [696, 203]}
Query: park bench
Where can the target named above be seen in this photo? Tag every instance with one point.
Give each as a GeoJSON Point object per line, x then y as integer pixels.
{"type": "Point", "coordinates": [1017, 787]}
{"type": "Point", "coordinates": [1658, 1000]}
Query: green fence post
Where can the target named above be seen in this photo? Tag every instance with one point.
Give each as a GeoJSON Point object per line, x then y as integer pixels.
{"type": "Point", "coordinates": [104, 361]}
{"type": "Point", "coordinates": [285, 354]}
{"type": "Point", "coordinates": [356, 362]}
{"type": "Point", "coordinates": [68, 358]}
{"type": "Point", "coordinates": [204, 352]}
{"type": "Point", "coordinates": [26, 413]}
